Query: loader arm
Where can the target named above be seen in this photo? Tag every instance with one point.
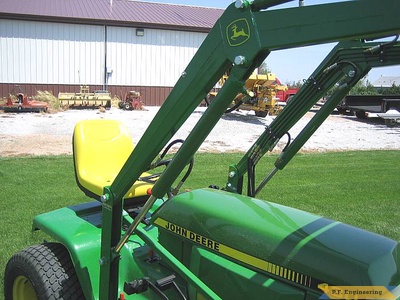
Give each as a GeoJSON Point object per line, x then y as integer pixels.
{"type": "Point", "coordinates": [345, 65]}
{"type": "Point", "coordinates": [266, 32]}
{"type": "Point", "coordinates": [243, 37]}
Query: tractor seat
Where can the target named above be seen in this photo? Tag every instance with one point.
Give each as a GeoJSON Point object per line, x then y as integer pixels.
{"type": "Point", "coordinates": [100, 149]}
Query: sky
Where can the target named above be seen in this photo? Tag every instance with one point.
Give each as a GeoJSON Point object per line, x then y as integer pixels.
{"type": "Point", "coordinates": [294, 64]}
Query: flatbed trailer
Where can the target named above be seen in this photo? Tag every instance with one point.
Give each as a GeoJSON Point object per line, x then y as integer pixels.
{"type": "Point", "coordinates": [363, 106]}
{"type": "Point", "coordinates": [391, 117]}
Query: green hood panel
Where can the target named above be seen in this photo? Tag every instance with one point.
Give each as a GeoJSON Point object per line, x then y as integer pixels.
{"type": "Point", "coordinates": [291, 244]}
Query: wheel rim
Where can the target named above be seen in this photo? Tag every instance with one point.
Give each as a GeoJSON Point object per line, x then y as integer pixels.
{"type": "Point", "coordinates": [23, 289]}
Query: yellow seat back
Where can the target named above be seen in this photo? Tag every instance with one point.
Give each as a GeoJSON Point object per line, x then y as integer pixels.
{"type": "Point", "coordinates": [100, 149]}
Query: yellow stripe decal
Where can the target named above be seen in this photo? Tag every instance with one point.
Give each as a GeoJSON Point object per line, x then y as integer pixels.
{"type": "Point", "coordinates": [235, 254]}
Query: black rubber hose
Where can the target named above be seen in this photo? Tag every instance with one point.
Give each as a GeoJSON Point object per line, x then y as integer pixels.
{"type": "Point", "coordinates": [234, 107]}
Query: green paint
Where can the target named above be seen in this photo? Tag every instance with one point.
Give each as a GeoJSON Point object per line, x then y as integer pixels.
{"type": "Point", "coordinates": [246, 241]}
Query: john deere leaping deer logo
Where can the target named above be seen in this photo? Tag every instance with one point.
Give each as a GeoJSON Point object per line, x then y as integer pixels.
{"type": "Point", "coordinates": [238, 32]}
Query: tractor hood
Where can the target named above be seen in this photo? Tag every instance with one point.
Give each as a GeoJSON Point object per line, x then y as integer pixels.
{"type": "Point", "coordinates": [279, 241]}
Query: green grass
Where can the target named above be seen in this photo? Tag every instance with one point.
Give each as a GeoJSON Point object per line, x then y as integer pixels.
{"type": "Point", "coordinates": [358, 188]}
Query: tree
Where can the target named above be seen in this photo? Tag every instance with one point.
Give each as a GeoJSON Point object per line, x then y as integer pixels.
{"type": "Point", "coordinates": [294, 84]}
{"type": "Point", "coordinates": [264, 69]}
{"type": "Point", "coordinates": [393, 90]}
{"type": "Point", "coordinates": [363, 87]}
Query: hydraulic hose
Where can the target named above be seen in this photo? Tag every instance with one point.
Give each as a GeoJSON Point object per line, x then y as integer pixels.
{"type": "Point", "coordinates": [233, 108]}
{"type": "Point", "coordinates": [382, 46]}
{"type": "Point", "coordinates": [229, 110]}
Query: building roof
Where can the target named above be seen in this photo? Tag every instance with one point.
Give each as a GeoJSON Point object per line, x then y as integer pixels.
{"type": "Point", "coordinates": [387, 81]}
{"type": "Point", "coordinates": [113, 12]}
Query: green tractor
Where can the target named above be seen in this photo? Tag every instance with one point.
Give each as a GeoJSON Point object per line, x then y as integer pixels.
{"type": "Point", "coordinates": [140, 238]}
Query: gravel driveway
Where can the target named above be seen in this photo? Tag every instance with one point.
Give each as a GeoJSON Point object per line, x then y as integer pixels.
{"type": "Point", "coordinates": [51, 134]}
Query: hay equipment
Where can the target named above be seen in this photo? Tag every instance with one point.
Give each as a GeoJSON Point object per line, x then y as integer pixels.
{"type": "Point", "coordinates": [18, 101]}
{"type": "Point", "coordinates": [85, 99]}
{"type": "Point", "coordinates": [131, 101]}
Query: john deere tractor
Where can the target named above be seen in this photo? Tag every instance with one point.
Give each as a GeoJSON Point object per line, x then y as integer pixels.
{"type": "Point", "coordinates": [141, 237]}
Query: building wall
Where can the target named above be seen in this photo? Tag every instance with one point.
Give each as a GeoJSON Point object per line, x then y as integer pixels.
{"type": "Point", "coordinates": [157, 58]}
{"type": "Point", "coordinates": [51, 53]}
{"type": "Point", "coordinates": [59, 57]}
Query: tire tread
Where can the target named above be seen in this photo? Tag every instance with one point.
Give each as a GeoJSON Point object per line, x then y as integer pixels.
{"type": "Point", "coordinates": [49, 268]}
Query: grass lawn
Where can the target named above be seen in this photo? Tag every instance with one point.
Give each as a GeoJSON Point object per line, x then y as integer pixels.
{"type": "Point", "coordinates": [358, 188]}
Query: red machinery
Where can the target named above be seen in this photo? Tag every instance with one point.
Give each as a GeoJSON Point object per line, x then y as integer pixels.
{"type": "Point", "coordinates": [18, 101]}
{"type": "Point", "coordinates": [131, 102]}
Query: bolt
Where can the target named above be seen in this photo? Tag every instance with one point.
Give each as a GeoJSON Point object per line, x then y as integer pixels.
{"type": "Point", "coordinates": [104, 198]}
{"type": "Point", "coordinates": [239, 4]}
{"type": "Point", "coordinates": [239, 60]}
{"type": "Point", "coordinates": [102, 261]}
{"type": "Point", "coordinates": [351, 73]}
{"type": "Point", "coordinates": [232, 174]}
{"type": "Point", "coordinates": [183, 74]}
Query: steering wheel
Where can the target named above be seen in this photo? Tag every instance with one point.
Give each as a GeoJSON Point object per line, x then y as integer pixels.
{"type": "Point", "coordinates": [165, 162]}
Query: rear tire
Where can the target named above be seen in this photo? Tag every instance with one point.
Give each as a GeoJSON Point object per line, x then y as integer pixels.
{"type": "Point", "coordinates": [261, 114]}
{"type": "Point", "coordinates": [390, 122]}
{"type": "Point", "coordinates": [360, 114]}
{"type": "Point", "coordinates": [41, 272]}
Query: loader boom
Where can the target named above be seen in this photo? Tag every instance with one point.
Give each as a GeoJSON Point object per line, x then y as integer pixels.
{"type": "Point", "coordinates": [261, 31]}
{"type": "Point", "coordinates": [346, 64]}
